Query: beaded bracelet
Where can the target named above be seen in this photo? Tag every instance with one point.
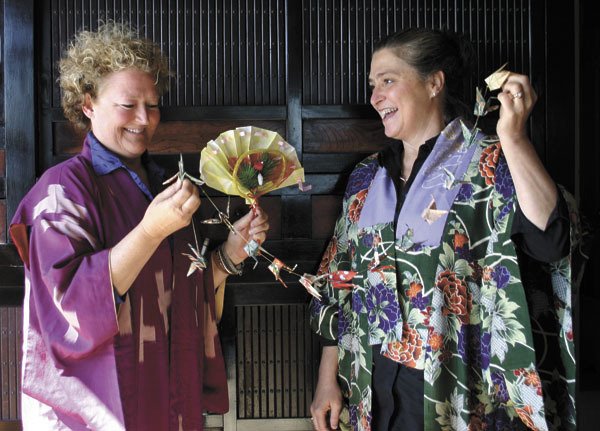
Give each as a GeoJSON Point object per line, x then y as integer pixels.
{"type": "Point", "coordinates": [224, 262]}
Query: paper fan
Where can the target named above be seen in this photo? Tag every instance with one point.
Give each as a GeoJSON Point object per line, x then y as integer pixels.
{"type": "Point", "coordinates": [249, 162]}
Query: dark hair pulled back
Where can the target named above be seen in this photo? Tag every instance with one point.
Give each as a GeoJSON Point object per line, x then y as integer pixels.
{"type": "Point", "coordinates": [431, 50]}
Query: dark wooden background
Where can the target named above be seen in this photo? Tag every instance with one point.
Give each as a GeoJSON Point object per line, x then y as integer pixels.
{"type": "Point", "coordinates": [299, 67]}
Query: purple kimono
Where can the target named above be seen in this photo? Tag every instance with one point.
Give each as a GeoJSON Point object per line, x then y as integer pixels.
{"type": "Point", "coordinates": [148, 361]}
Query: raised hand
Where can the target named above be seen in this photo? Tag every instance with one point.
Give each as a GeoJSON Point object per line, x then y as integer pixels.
{"type": "Point", "coordinates": [171, 210]}
{"type": "Point", "coordinates": [252, 226]}
{"type": "Point", "coordinates": [517, 99]}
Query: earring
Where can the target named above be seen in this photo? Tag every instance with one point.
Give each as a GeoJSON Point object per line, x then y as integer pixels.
{"type": "Point", "coordinates": [434, 94]}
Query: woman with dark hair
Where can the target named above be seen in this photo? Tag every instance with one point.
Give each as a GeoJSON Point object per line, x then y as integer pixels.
{"type": "Point", "coordinates": [440, 232]}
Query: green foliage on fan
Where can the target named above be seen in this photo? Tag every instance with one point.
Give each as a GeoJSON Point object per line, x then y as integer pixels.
{"type": "Point", "coordinates": [248, 176]}
{"type": "Point", "coordinates": [248, 171]}
{"type": "Point", "coordinates": [269, 163]}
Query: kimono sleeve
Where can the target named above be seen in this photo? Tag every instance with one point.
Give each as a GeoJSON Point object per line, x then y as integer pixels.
{"type": "Point", "coordinates": [566, 275]}
{"type": "Point", "coordinates": [540, 295]}
{"type": "Point", "coordinates": [70, 301]}
{"type": "Point", "coordinates": [324, 312]}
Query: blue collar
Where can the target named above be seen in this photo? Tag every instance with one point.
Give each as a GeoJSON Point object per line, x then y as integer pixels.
{"type": "Point", "coordinates": [104, 161]}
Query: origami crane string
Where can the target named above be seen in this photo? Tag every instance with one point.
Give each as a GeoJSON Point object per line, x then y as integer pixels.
{"type": "Point", "coordinates": [198, 259]}
{"type": "Point", "coordinates": [337, 279]}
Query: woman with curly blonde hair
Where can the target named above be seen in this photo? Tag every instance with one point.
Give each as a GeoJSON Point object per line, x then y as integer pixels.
{"type": "Point", "coordinates": [93, 55]}
{"type": "Point", "coordinates": [117, 334]}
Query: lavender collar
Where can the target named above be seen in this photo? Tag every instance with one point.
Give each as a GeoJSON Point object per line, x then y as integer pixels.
{"type": "Point", "coordinates": [423, 215]}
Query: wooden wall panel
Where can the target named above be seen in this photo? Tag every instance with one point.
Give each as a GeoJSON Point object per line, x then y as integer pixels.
{"type": "Point", "coordinates": [343, 136]}
{"type": "Point", "coordinates": [2, 144]}
{"type": "Point", "coordinates": [19, 107]}
{"type": "Point", "coordinates": [171, 137]}
{"type": "Point", "coordinates": [3, 217]}
{"type": "Point", "coordinates": [339, 37]}
{"type": "Point", "coordinates": [276, 366]}
{"type": "Point", "coordinates": [11, 334]}
{"type": "Point", "coordinates": [223, 52]}
{"type": "Point", "coordinates": [3, 221]}
{"type": "Point", "coordinates": [325, 211]}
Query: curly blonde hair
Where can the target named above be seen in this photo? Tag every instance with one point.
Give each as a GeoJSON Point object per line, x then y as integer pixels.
{"type": "Point", "coordinates": [95, 54]}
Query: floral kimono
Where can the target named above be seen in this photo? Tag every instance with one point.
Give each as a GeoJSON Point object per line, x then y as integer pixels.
{"type": "Point", "coordinates": [441, 289]}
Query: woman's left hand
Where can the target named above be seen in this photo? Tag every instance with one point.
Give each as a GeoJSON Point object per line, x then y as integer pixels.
{"type": "Point", "coordinates": [536, 191]}
{"type": "Point", "coordinates": [253, 225]}
{"type": "Point", "coordinates": [517, 99]}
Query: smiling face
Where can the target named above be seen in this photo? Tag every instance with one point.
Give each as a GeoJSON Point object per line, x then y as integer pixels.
{"type": "Point", "coordinates": [409, 106]}
{"type": "Point", "coordinates": [125, 114]}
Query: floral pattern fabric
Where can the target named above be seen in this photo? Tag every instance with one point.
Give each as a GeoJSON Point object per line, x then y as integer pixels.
{"type": "Point", "coordinates": [495, 343]}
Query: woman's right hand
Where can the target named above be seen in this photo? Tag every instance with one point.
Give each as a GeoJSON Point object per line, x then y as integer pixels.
{"type": "Point", "coordinates": [168, 212]}
{"type": "Point", "coordinates": [171, 210]}
{"type": "Point", "coordinates": [328, 398]}
{"type": "Point", "coordinates": [328, 395]}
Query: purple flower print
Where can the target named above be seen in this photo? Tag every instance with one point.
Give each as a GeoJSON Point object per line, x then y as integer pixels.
{"type": "Point", "coordinates": [342, 324]}
{"type": "Point", "coordinates": [501, 276]}
{"type": "Point", "coordinates": [462, 344]}
{"type": "Point", "coordinates": [468, 342]}
{"type": "Point", "coordinates": [354, 416]}
{"type": "Point", "coordinates": [381, 303]}
{"type": "Point", "coordinates": [357, 304]}
{"type": "Point", "coordinates": [465, 193]}
{"type": "Point", "coordinates": [500, 387]}
{"type": "Point", "coordinates": [361, 178]}
{"type": "Point", "coordinates": [464, 252]}
{"type": "Point", "coordinates": [473, 347]}
{"type": "Point", "coordinates": [417, 247]}
{"type": "Point", "coordinates": [505, 210]}
{"type": "Point", "coordinates": [504, 183]}
{"type": "Point", "coordinates": [317, 305]}
{"type": "Point", "coordinates": [419, 301]}
{"type": "Point", "coordinates": [486, 348]}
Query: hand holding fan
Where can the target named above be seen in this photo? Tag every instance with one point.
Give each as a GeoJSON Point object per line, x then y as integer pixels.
{"type": "Point", "coordinates": [250, 162]}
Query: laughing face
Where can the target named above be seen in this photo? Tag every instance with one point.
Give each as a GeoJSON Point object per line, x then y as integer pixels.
{"type": "Point", "coordinates": [125, 113]}
{"type": "Point", "coordinates": [406, 102]}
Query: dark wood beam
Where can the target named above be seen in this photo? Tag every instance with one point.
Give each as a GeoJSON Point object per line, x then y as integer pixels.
{"type": "Point", "coordinates": [19, 100]}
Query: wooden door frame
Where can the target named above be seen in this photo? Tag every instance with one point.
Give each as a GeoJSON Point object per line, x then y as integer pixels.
{"type": "Point", "coordinates": [19, 131]}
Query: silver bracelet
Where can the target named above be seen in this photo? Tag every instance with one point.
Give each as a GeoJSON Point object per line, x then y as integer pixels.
{"type": "Point", "coordinates": [224, 261]}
